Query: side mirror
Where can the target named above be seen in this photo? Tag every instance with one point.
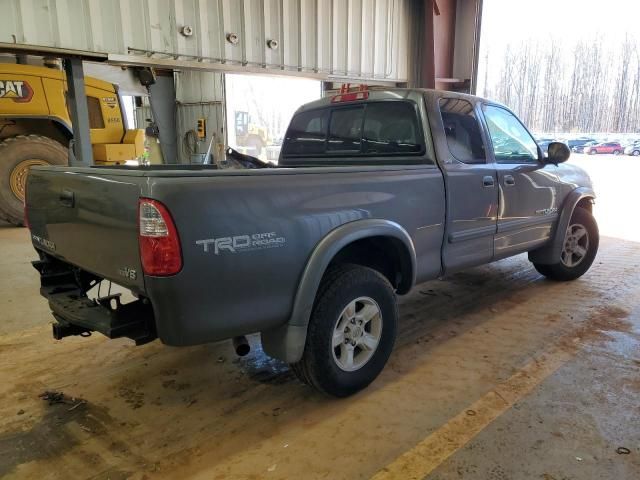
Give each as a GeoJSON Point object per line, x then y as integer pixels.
{"type": "Point", "coordinates": [557, 153]}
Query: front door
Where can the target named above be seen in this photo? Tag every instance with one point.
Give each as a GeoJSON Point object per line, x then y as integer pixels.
{"type": "Point", "coordinates": [528, 197]}
{"type": "Point", "coordinates": [471, 183]}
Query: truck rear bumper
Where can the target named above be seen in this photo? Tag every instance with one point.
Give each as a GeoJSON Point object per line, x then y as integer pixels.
{"type": "Point", "coordinates": [77, 314]}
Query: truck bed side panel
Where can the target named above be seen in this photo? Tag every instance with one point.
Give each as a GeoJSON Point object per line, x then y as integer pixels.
{"type": "Point", "coordinates": [246, 239]}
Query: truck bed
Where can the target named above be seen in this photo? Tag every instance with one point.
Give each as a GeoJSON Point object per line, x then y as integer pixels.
{"type": "Point", "coordinates": [87, 218]}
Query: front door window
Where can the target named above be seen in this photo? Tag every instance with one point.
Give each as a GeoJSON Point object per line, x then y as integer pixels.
{"type": "Point", "coordinates": [511, 141]}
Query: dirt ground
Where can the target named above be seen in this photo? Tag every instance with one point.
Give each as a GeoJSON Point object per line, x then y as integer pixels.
{"type": "Point", "coordinates": [497, 374]}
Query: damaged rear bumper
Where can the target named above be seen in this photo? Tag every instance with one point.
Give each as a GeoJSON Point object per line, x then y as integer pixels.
{"type": "Point", "coordinates": [65, 286]}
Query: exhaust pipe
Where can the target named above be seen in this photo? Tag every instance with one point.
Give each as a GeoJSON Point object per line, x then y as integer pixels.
{"type": "Point", "coordinates": [241, 346]}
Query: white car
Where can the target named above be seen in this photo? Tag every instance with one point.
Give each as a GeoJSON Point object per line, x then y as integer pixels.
{"type": "Point", "coordinates": [633, 149]}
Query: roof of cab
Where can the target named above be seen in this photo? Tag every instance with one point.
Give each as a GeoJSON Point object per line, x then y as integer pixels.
{"type": "Point", "coordinates": [396, 94]}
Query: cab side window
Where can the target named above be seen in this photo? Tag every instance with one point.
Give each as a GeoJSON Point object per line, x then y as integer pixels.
{"type": "Point", "coordinates": [462, 130]}
{"type": "Point", "coordinates": [95, 112]}
{"type": "Point", "coordinates": [511, 141]}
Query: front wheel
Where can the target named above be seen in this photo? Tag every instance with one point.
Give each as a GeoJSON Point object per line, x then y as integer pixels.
{"type": "Point", "coordinates": [351, 331]}
{"type": "Point", "coordinates": [616, 152]}
{"type": "Point", "coordinates": [636, 153]}
{"type": "Point", "coordinates": [592, 152]}
{"type": "Point", "coordinates": [579, 248]}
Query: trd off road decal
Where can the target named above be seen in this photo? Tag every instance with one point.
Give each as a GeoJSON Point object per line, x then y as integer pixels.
{"type": "Point", "coordinates": [16, 90]}
{"type": "Point", "coordinates": [242, 243]}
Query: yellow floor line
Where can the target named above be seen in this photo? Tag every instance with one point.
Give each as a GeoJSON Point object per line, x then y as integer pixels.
{"type": "Point", "coordinates": [426, 456]}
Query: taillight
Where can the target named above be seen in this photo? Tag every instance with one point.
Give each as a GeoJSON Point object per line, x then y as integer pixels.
{"type": "Point", "coordinates": [159, 243]}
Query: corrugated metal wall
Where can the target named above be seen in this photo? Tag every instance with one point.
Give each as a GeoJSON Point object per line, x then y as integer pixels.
{"type": "Point", "coordinates": [346, 38]}
{"type": "Point", "coordinates": [199, 95]}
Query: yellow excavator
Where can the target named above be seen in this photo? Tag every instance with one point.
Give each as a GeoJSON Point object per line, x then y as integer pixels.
{"type": "Point", "coordinates": [35, 128]}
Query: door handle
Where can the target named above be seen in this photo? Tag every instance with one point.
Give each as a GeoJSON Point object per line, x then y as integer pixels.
{"type": "Point", "coordinates": [509, 180]}
{"type": "Point", "coordinates": [487, 181]}
{"type": "Point", "coordinates": [67, 198]}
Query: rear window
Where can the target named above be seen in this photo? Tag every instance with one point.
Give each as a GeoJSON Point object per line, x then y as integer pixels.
{"type": "Point", "coordinates": [307, 133]}
{"type": "Point", "coordinates": [345, 129]}
{"type": "Point", "coordinates": [370, 129]}
{"type": "Point", "coordinates": [391, 128]}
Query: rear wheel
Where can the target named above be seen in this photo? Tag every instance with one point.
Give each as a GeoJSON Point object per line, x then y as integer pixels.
{"type": "Point", "coordinates": [636, 153]}
{"type": "Point", "coordinates": [579, 248]}
{"type": "Point", "coordinates": [351, 331]}
{"type": "Point", "coordinates": [17, 156]}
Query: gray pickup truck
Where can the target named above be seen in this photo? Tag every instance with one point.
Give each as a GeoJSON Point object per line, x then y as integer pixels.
{"type": "Point", "coordinates": [375, 192]}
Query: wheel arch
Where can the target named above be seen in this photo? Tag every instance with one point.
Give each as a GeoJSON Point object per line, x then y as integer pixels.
{"type": "Point", "coordinates": [582, 197]}
{"type": "Point", "coordinates": [46, 126]}
{"type": "Point", "coordinates": [350, 243]}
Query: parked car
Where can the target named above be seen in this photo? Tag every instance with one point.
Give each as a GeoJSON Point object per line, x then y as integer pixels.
{"type": "Point", "coordinates": [544, 143]}
{"type": "Point", "coordinates": [581, 148]}
{"type": "Point", "coordinates": [605, 147]}
{"type": "Point", "coordinates": [577, 143]}
{"type": "Point", "coordinates": [380, 190]}
{"type": "Point", "coordinates": [633, 149]}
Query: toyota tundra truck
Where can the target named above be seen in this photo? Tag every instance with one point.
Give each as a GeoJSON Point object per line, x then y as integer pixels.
{"type": "Point", "coordinates": [374, 192]}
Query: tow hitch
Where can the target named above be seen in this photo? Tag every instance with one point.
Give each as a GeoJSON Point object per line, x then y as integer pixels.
{"type": "Point", "coordinates": [63, 329]}
{"type": "Point", "coordinates": [77, 314]}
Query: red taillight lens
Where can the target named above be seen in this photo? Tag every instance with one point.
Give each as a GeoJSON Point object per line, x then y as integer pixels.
{"type": "Point", "coordinates": [159, 243]}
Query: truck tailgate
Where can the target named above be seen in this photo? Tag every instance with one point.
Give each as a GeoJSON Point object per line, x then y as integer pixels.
{"type": "Point", "coordinates": [88, 219]}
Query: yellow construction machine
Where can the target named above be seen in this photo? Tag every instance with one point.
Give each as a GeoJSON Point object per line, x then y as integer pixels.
{"type": "Point", "coordinates": [35, 128]}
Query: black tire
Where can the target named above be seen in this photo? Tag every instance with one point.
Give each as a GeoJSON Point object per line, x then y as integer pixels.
{"type": "Point", "coordinates": [560, 271]}
{"type": "Point", "coordinates": [340, 286]}
{"type": "Point", "coordinates": [15, 152]}
{"type": "Point", "coordinates": [636, 153]}
{"type": "Point", "coordinates": [592, 152]}
{"type": "Point", "coordinates": [616, 152]}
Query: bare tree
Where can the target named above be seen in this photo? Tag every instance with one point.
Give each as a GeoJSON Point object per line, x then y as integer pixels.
{"type": "Point", "coordinates": [582, 88]}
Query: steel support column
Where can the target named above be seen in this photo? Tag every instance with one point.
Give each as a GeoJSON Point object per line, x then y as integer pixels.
{"type": "Point", "coordinates": [427, 61]}
{"type": "Point", "coordinates": [162, 98]}
{"type": "Point", "coordinates": [77, 101]}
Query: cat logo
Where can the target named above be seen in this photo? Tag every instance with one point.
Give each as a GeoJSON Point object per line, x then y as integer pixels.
{"type": "Point", "coordinates": [16, 90]}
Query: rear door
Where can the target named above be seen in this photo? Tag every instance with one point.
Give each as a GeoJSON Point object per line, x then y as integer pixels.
{"type": "Point", "coordinates": [528, 190]}
{"type": "Point", "coordinates": [88, 219]}
{"type": "Point", "coordinates": [471, 184]}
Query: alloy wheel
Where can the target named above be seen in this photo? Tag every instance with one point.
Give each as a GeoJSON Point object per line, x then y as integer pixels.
{"type": "Point", "coordinates": [356, 334]}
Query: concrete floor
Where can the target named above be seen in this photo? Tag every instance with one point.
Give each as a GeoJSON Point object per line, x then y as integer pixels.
{"type": "Point", "coordinates": [497, 374]}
